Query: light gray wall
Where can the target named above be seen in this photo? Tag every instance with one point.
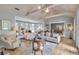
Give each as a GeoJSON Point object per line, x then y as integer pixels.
{"type": "Point", "coordinates": [0, 24]}
{"type": "Point", "coordinates": [60, 19]}
{"type": "Point", "coordinates": [77, 28]}
{"type": "Point", "coordinates": [74, 24]}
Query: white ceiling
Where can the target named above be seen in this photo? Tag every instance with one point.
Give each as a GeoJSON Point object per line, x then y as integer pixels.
{"type": "Point", "coordinates": [31, 11]}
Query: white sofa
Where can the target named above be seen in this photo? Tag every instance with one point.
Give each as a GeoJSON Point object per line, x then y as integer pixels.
{"type": "Point", "coordinates": [10, 41]}
{"type": "Point", "coordinates": [54, 39]}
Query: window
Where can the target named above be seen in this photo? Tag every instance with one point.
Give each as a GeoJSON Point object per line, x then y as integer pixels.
{"type": "Point", "coordinates": [5, 25]}
{"type": "Point", "coordinates": [29, 26]}
{"type": "Point", "coordinates": [39, 27]}
{"type": "Point", "coordinates": [26, 26]}
{"type": "Point", "coordinates": [32, 27]}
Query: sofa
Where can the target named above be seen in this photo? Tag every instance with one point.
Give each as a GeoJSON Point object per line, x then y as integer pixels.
{"type": "Point", "coordinates": [9, 41]}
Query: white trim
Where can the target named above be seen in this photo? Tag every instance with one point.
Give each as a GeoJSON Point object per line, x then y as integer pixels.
{"type": "Point", "coordinates": [27, 20]}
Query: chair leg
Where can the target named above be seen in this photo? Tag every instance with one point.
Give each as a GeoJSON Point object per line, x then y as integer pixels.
{"type": "Point", "coordinates": [41, 52]}
{"type": "Point", "coordinates": [34, 52]}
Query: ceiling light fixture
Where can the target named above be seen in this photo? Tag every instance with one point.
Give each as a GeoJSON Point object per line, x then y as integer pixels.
{"type": "Point", "coordinates": [39, 7]}
{"type": "Point", "coordinates": [47, 10]}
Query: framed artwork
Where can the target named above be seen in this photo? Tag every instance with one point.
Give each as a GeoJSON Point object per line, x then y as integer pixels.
{"type": "Point", "coordinates": [70, 27]}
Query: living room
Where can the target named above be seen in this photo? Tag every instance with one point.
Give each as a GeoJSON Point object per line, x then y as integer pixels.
{"type": "Point", "coordinates": [53, 27]}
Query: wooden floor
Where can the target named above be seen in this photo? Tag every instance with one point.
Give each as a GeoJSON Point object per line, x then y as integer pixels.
{"type": "Point", "coordinates": [65, 47]}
